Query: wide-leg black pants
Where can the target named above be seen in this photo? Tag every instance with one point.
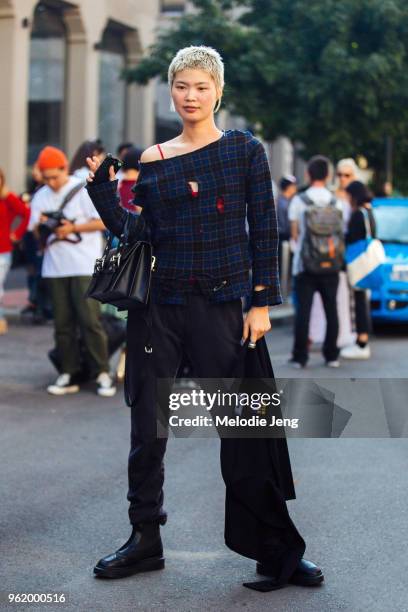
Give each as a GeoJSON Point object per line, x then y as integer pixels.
{"type": "Point", "coordinates": [257, 473]}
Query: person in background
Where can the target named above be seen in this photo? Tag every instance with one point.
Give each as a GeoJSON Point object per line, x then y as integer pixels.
{"type": "Point", "coordinates": [287, 189]}
{"type": "Point", "coordinates": [123, 149]}
{"type": "Point", "coordinates": [78, 166]}
{"type": "Point", "coordinates": [69, 257]}
{"type": "Point", "coordinates": [346, 172]}
{"type": "Point", "coordinates": [11, 208]}
{"type": "Point", "coordinates": [38, 309]}
{"type": "Point", "coordinates": [308, 282]}
{"type": "Point", "coordinates": [360, 201]}
{"type": "Point", "coordinates": [129, 175]}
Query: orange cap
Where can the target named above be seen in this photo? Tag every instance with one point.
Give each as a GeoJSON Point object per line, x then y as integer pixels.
{"type": "Point", "coordinates": [51, 157]}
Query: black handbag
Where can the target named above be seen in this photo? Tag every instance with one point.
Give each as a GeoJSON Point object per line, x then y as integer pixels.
{"type": "Point", "coordinates": [122, 275]}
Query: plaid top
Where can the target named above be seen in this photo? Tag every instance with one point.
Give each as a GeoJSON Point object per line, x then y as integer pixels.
{"type": "Point", "coordinates": [202, 239]}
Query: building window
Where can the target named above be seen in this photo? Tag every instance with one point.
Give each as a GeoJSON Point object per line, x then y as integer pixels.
{"type": "Point", "coordinates": [112, 88]}
{"type": "Point", "coordinates": [46, 81]}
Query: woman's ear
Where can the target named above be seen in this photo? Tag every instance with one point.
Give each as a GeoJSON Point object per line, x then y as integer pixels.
{"type": "Point", "coordinates": [219, 100]}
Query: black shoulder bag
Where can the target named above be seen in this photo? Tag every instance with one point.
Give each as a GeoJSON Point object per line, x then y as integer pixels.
{"type": "Point", "coordinates": [122, 275]}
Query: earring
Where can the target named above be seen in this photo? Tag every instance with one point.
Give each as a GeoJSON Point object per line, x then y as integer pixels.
{"type": "Point", "coordinates": [172, 107]}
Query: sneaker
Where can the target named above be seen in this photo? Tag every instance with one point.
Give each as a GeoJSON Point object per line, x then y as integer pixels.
{"type": "Point", "coordinates": [296, 364]}
{"type": "Point", "coordinates": [3, 326]}
{"type": "Point", "coordinates": [63, 385]}
{"type": "Point", "coordinates": [105, 384]}
{"type": "Point", "coordinates": [356, 352]}
{"type": "Point", "coordinates": [333, 364]}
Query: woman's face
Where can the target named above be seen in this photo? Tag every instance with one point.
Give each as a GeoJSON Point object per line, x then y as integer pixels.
{"type": "Point", "coordinates": [194, 94]}
{"type": "Point", "coordinates": [345, 175]}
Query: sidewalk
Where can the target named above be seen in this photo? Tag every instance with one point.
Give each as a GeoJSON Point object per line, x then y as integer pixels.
{"type": "Point", "coordinates": [64, 501]}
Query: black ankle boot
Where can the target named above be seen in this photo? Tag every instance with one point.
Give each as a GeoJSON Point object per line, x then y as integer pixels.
{"type": "Point", "coordinates": [307, 573]}
{"type": "Point", "coordinates": [143, 552]}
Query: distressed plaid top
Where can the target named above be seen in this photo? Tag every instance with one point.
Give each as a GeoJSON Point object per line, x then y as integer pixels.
{"type": "Point", "coordinates": [212, 238]}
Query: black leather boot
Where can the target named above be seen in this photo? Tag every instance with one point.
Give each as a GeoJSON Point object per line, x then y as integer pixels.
{"type": "Point", "coordinates": [143, 552]}
{"type": "Point", "coordinates": [307, 573]}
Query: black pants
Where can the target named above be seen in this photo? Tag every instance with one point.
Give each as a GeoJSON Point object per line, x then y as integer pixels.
{"type": "Point", "coordinates": [362, 311]}
{"type": "Point", "coordinates": [305, 286]}
{"type": "Point", "coordinates": [210, 335]}
{"type": "Point", "coordinates": [256, 472]}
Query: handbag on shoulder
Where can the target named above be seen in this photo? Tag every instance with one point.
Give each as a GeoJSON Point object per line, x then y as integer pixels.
{"type": "Point", "coordinates": [364, 259]}
{"type": "Point", "coordinates": [122, 275]}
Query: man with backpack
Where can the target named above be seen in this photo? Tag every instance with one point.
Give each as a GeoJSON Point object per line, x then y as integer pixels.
{"type": "Point", "coordinates": [316, 221]}
{"type": "Point", "coordinates": [69, 228]}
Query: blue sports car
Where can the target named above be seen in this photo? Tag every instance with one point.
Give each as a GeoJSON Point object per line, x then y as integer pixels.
{"type": "Point", "coordinates": [390, 301]}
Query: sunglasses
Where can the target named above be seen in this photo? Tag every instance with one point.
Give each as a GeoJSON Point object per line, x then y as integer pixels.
{"type": "Point", "coordinates": [340, 174]}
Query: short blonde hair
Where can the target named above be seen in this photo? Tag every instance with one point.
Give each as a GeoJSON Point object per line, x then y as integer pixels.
{"type": "Point", "coordinates": [201, 58]}
{"type": "Point", "coordinates": [348, 162]}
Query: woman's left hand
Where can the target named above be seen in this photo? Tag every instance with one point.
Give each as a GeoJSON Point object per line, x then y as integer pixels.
{"type": "Point", "coordinates": [256, 323]}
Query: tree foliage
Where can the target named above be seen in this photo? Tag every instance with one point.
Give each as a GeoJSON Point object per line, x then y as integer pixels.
{"type": "Point", "coordinates": [331, 75]}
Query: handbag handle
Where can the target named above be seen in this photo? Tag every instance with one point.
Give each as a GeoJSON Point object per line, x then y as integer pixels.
{"type": "Point", "coordinates": [367, 224]}
{"type": "Point", "coordinates": [122, 241]}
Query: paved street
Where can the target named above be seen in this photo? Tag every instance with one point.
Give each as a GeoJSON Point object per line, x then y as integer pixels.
{"type": "Point", "coordinates": [63, 500]}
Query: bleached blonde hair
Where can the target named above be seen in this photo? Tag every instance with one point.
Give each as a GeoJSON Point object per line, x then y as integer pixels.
{"type": "Point", "coordinates": [348, 162]}
{"type": "Point", "coordinates": [201, 58]}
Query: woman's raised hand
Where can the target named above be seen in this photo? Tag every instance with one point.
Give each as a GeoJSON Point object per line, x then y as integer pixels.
{"type": "Point", "coordinates": [93, 164]}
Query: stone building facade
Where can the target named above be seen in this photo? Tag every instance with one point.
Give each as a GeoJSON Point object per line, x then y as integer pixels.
{"type": "Point", "coordinates": [60, 65]}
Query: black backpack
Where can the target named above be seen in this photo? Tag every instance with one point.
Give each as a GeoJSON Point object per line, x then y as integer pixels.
{"type": "Point", "coordinates": [323, 243]}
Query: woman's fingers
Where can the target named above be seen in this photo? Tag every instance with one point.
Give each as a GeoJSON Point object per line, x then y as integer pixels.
{"type": "Point", "coordinates": [255, 327]}
{"type": "Point", "coordinates": [93, 163]}
{"type": "Point", "coordinates": [112, 175]}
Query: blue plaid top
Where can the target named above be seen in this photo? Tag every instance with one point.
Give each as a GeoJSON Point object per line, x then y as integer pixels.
{"type": "Point", "coordinates": [202, 239]}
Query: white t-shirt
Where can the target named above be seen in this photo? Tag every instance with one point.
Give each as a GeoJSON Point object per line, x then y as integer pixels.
{"type": "Point", "coordinates": [320, 196]}
{"type": "Point", "coordinates": [63, 258]}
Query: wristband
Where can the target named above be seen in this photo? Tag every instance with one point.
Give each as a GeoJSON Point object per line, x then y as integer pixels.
{"type": "Point", "coordinates": [259, 298]}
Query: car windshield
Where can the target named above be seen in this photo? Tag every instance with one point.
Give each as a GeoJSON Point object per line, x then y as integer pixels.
{"type": "Point", "coordinates": [392, 223]}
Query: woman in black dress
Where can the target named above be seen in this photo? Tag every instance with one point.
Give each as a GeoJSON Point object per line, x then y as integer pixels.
{"type": "Point", "coordinates": [361, 218]}
{"type": "Point", "coordinates": [197, 191]}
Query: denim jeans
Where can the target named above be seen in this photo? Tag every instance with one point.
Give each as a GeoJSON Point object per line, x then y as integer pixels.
{"type": "Point", "coordinates": [5, 263]}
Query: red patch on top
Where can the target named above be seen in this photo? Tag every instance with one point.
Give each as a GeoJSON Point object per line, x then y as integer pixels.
{"type": "Point", "coordinates": [220, 204]}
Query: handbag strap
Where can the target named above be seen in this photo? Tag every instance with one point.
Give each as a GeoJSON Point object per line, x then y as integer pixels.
{"type": "Point", "coordinates": [367, 223]}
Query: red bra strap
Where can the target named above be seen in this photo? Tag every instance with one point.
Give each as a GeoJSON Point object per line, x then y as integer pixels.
{"type": "Point", "coordinates": [161, 152]}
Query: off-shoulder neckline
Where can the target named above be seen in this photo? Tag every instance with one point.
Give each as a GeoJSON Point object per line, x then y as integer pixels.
{"type": "Point", "coordinates": [225, 133]}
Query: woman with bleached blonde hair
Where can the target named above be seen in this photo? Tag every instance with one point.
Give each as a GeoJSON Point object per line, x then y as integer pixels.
{"type": "Point", "coordinates": [198, 191]}
{"type": "Point", "coordinates": [346, 173]}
